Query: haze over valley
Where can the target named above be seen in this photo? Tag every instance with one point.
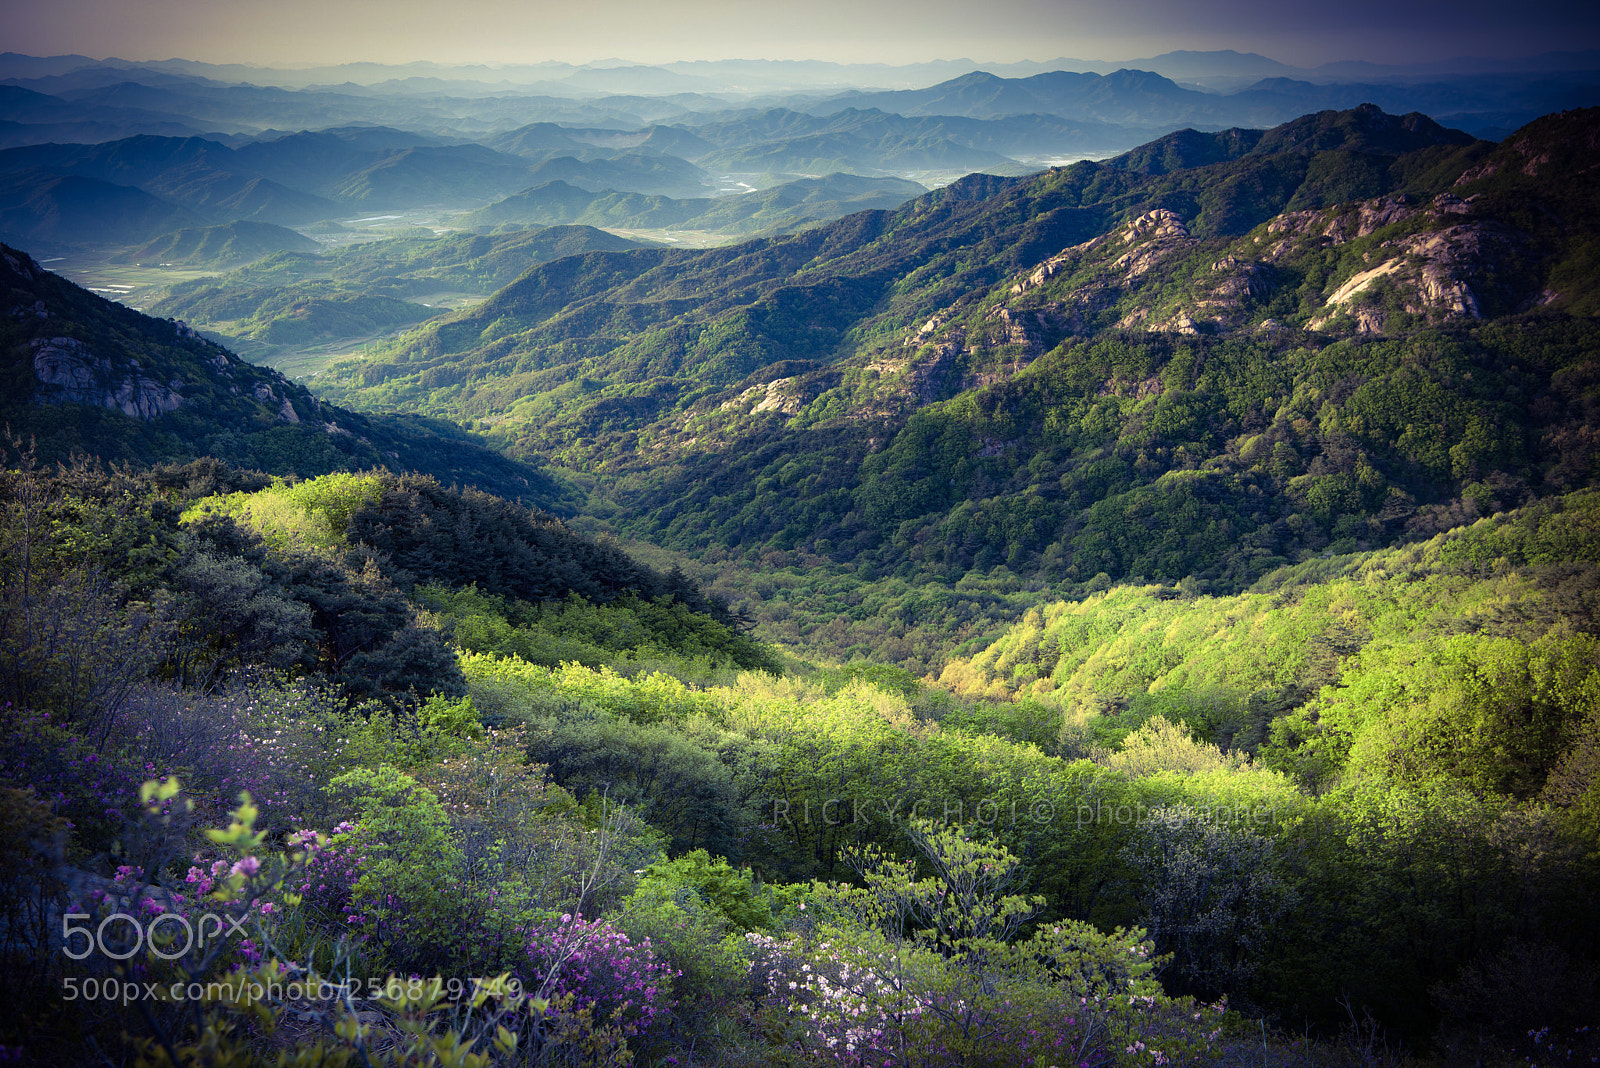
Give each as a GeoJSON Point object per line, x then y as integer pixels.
{"type": "Point", "coordinates": [132, 177]}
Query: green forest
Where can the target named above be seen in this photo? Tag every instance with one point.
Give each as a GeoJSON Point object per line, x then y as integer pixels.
{"type": "Point", "coordinates": [1142, 613]}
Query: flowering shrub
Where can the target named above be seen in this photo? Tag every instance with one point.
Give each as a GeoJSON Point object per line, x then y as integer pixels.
{"type": "Point", "coordinates": [398, 846]}
{"type": "Point", "coordinates": [905, 971]}
{"type": "Point", "coordinates": [279, 742]}
{"type": "Point", "coordinates": [93, 790]}
{"type": "Point", "coordinates": [856, 1008]}
{"type": "Point", "coordinates": [332, 870]}
{"type": "Point", "coordinates": [618, 979]}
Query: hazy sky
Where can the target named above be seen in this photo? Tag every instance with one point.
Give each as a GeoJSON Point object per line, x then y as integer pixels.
{"type": "Point", "coordinates": [293, 32]}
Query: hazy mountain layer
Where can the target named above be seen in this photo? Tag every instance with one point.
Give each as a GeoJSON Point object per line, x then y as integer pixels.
{"type": "Point", "coordinates": [296, 298]}
{"type": "Point", "coordinates": [221, 246]}
{"type": "Point", "coordinates": [783, 207]}
{"type": "Point", "coordinates": [54, 209]}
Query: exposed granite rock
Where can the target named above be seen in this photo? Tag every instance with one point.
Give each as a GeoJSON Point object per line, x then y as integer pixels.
{"type": "Point", "coordinates": [778, 395]}
{"type": "Point", "coordinates": [71, 374]}
{"type": "Point", "coordinates": [21, 263]}
{"type": "Point", "coordinates": [1433, 270]}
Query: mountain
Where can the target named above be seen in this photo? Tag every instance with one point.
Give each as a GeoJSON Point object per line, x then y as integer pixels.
{"type": "Point", "coordinates": [221, 246]}
{"type": "Point", "coordinates": [790, 205]}
{"type": "Point", "coordinates": [260, 199]}
{"type": "Point", "coordinates": [1219, 70]}
{"type": "Point", "coordinates": [33, 118]}
{"type": "Point", "coordinates": [307, 314]}
{"type": "Point", "coordinates": [1093, 369]}
{"type": "Point", "coordinates": [127, 161]}
{"type": "Point", "coordinates": [557, 203]}
{"type": "Point", "coordinates": [450, 174]}
{"type": "Point", "coordinates": [862, 142]}
{"type": "Point", "coordinates": [54, 210]}
{"type": "Point", "coordinates": [297, 298]}
{"type": "Point", "coordinates": [116, 98]}
{"type": "Point", "coordinates": [200, 174]}
{"type": "Point", "coordinates": [1122, 96]}
{"type": "Point", "coordinates": [540, 140]}
{"type": "Point", "coordinates": [629, 172]}
{"type": "Point", "coordinates": [639, 79]}
{"type": "Point", "coordinates": [84, 374]}
{"type": "Point", "coordinates": [320, 160]}
{"type": "Point", "coordinates": [416, 265]}
{"type": "Point", "coordinates": [20, 134]}
{"type": "Point", "coordinates": [546, 140]}
{"type": "Point", "coordinates": [871, 141]}
{"type": "Point", "coordinates": [1139, 97]}
{"type": "Point", "coordinates": [1365, 129]}
{"type": "Point", "coordinates": [786, 206]}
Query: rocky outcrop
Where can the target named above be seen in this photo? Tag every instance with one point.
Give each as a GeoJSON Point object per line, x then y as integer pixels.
{"type": "Point", "coordinates": [778, 395]}
{"type": "Point", "coordinates": [1109, 266]}
{"type": "Point", "coordinates": [21, 263]}
{"type": "Point", "coordinates": [1153, 238]}
{"type": "Point", "coordinates": [71, 374]}
{"type": "Point", "coordinates": [1433, 271]}
{"type": "Point", "coordinates": [1433, 267]}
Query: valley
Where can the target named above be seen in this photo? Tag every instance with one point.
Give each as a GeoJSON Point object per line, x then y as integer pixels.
{"type": "Point", "coordinates": [965, 568]}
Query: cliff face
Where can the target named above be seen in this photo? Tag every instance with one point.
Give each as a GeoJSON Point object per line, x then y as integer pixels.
{"type": "Point", "coordinates": [71, 374]}
{"type": "Point", "coordinates": [82, 349]}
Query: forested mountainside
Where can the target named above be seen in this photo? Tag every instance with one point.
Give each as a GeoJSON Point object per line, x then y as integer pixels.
{"type": "Point", "coordinates": [299, 298]}
{"type": "Point", "coordinates": [237, 571]}
{"type": "Point", "coordinates": [88, 375]}
{"type": "Point", "coordinates": [1347, 330]}
{"type": "Point", "coordinates": [509, 735]}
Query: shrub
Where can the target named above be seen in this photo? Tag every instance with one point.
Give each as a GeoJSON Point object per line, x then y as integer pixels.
{"type": "Point", "coordinates": [408, 891]}
{"type": "Point", "coordinates": [619, 980]}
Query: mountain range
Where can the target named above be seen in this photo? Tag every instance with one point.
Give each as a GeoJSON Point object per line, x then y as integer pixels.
{"type": "Point", "coordinates": [785, 206]}
{"type": "Point", "coordinates": [210, 146]}
{"type": "Point", "coordinates": [1243, 479]}
{"type": "Point", "coordinates": [1111, 367]}
{"type": "Point", "coordinates": [1209, 356]}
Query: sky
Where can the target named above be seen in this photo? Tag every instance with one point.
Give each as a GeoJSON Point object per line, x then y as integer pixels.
{"type": "Point", "coordinates": [307, 32]}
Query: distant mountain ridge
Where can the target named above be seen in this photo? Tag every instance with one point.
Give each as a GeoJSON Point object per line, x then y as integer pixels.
{"type": "Point", "coordinates": [1135, 97]}
{"type": "Point", "coordinates": [222, 246]}
{"type": "Point", "coordinates": [764, 75]}
{"type": "Point", "coordinates": [784, 207]}
{"type": "Point", "coordinates": [419, 137]}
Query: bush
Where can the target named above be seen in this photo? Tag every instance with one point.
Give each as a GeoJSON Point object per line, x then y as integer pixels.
{"type": "Point", "coordinates": [618, 980]}
{"type": "Point", "coordinates": [407, 896]}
